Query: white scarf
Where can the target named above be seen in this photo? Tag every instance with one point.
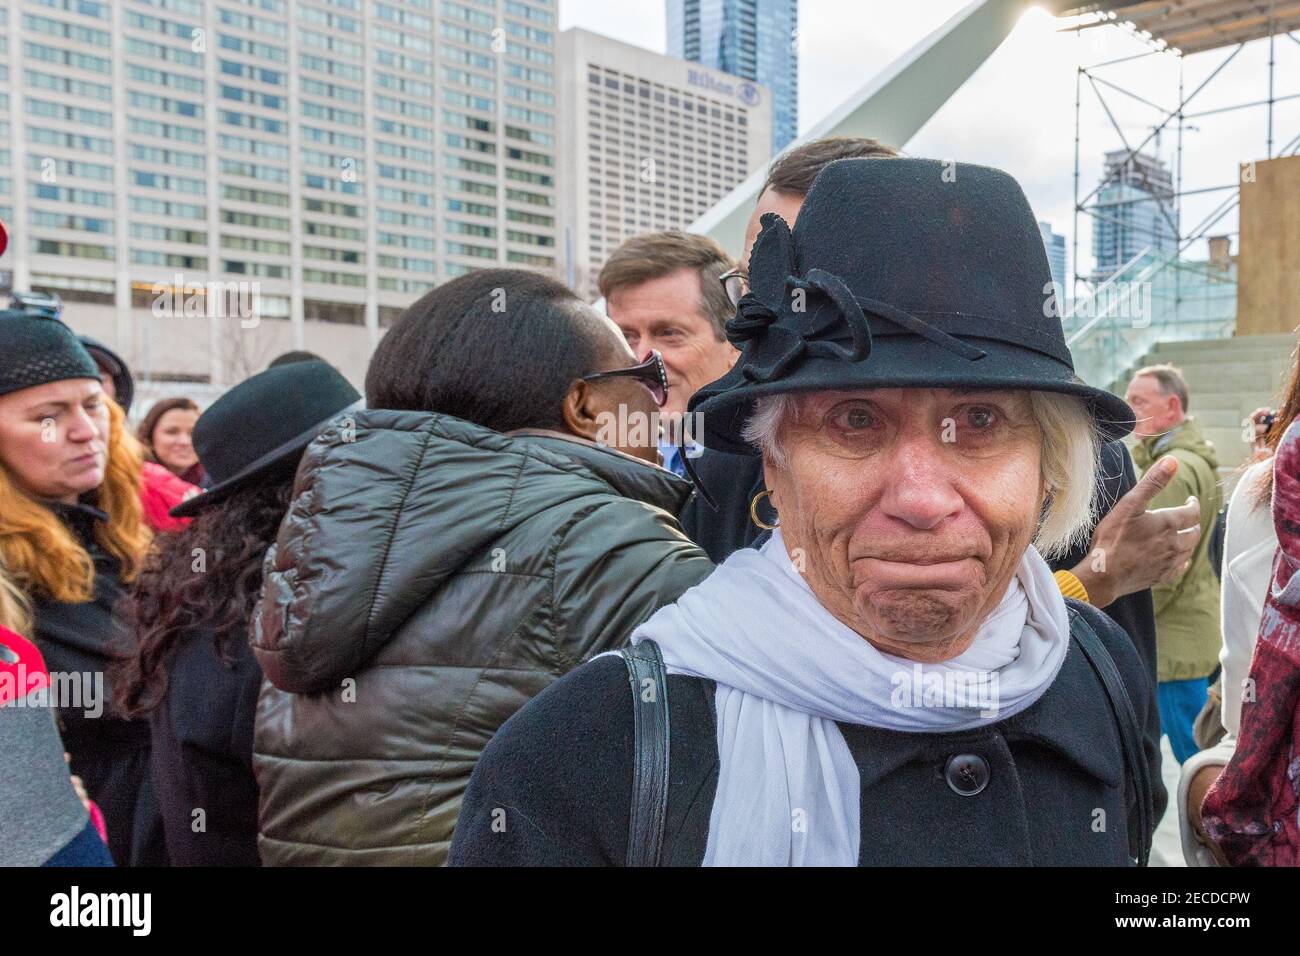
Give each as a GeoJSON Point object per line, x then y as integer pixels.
{"type": "Point", "coordinates": [787, 670]}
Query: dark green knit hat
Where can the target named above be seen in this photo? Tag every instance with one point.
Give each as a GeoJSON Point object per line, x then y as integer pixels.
{"type": "Point", "coordinates": [35, 350]}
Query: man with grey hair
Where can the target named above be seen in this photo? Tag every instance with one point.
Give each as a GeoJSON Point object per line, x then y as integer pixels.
{"type": "Point", "coordinates": [664, 291]}
{"type": "Point", "coordinates": [1187, 608]}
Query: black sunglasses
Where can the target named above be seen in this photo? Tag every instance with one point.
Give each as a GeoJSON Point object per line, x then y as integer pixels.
{"type": "Point", "coordinates": [650, 373]}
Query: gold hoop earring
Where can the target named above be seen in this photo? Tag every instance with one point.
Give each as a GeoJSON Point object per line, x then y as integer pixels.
{"type": "Point", "coordinates": [753, 512]}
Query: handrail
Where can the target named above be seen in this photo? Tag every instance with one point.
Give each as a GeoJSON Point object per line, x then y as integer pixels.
{"type": "Point", "coordinates": [1114, 277]}
{"type": "Point", "coordinates": [1175, 299]}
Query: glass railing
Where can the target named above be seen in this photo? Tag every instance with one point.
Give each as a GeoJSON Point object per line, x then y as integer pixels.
{"type": "Point", "coordinates": [1156, 297]}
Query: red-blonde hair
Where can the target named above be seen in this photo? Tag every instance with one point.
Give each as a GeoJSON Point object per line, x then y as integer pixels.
{"type": "Point", "coordinates": [45, 558]}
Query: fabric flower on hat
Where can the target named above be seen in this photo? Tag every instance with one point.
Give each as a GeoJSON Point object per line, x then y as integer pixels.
{"type": "Point", "coordinates": [785, 317]}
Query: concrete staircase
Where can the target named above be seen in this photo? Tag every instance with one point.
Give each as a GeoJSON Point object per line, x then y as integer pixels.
{"type": "Point", "coordinates": [1227, 379]}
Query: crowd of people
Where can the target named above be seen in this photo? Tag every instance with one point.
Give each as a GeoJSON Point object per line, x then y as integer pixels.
{"type": "Point", "coordinates": [824, 556]}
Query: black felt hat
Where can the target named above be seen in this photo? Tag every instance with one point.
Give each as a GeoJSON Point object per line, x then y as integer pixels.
{"type": "Point", "coordinates": [264, 422]}
{"type": "Point", "coordinates": [902, 273]}
{"type": "Point", "coordinates": [38, 349]}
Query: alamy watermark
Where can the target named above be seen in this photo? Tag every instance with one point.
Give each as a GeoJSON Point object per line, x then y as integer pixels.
{"type": "Point", "coordinates": [634, 429]}
{"type": "Point", "coordinates": [199, 300]}
{"type": "Point", "coordinates": [1126, 301]}
{"type": "Point", "coordinates": [65, 690]}
{"type": "Point", "coordinates": [945, 688]}
{"type": "Point", "coordinates": [133, 911]}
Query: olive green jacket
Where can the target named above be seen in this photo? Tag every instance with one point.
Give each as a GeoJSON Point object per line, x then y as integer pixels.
{"type": "Point", "coordinates": [1188, 638]}
{"type": "Point", "coordinates": [431, 577]}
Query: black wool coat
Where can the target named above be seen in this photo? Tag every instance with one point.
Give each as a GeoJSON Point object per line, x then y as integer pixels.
{"type": "Point", "coordinates": [109, 754]}
{"type": "Point", "coordinates": [203, 752]}
{"type": "Point", "coordinates": [554, 786]}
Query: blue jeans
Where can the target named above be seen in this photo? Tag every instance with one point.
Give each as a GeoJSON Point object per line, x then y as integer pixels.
{"type": "Point", "coordinates": [85, 849]}
{"type": "Point", "coordinates": [1180, 701]}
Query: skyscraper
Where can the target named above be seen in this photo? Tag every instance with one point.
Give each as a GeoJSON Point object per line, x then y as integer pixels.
{"type": "Point", "coordinates": [647, 142]}
{"type": "Point", "coordinates": [1054, 243]}
{"type": "Point", "coordinates": [342, 156]}
{"type": "Point", "coordinates": [754, 39]}
{"type": "Point", "coordinates": [1134, 211]}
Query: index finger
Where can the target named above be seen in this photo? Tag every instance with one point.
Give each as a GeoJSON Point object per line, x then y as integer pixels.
{"type": "Point", "coordinates": [1151, 484]}
{"type": "Point", "coordinates": [1181, 518]}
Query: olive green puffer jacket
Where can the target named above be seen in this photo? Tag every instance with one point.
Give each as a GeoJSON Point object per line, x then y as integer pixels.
{"type": "Point", "coordinates": [1188, 638]}
{"type": "Point", "coordinates": [430, 578]}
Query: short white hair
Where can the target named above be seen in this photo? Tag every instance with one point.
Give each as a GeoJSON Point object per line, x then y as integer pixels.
{"type": "Point", "coordinates": [1069, 461]}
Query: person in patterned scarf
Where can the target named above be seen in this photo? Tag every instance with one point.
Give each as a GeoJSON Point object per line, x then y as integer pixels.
{"type": "Point", "coordinates": [1251, 811]}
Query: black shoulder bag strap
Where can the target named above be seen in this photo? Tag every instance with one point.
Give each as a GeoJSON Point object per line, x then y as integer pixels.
{"type": "Point", "coordinates": [1130, 733]}
{"type": "Point", "coordinates": [649, 683]}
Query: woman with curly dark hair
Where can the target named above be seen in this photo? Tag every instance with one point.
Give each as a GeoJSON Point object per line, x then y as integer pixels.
{"type": "Point", "coordinates": [192, 672]}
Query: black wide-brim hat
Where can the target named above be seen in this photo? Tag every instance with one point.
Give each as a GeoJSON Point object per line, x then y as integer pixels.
{"type": "Point", "coordinates": [900, 273]}
{"type": "Point", "coordinates": [263, 423]}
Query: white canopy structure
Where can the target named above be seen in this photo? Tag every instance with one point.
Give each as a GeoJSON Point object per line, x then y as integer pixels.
{"type": "Point", "coordinates": [895, 104]}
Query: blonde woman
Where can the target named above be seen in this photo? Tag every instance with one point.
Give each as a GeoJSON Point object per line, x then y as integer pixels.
{"type": "Point", "coordinates": [72, 537]}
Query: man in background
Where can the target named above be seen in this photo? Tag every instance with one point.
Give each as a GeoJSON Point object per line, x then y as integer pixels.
{"type": "Point", "coordinates": [664, 292]}
{"type": "Point", "coordinates": [1188, 637]}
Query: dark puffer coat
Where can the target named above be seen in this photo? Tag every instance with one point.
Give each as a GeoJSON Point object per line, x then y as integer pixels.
{"type": "Point", "coordinates": [431, 577]}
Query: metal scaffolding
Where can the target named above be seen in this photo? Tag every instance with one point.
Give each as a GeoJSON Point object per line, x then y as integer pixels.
{"type": "Point", "coordinates": [1179, 28]}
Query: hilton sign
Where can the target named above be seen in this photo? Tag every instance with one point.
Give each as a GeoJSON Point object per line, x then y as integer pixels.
{"type": "Point", "coordinates": [743, 90]}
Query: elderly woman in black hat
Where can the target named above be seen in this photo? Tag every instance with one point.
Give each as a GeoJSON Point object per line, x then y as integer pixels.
{"type": "Point", "coordinates": [192, 673]}
{"type": "Point", "coordinates": [895, 678]}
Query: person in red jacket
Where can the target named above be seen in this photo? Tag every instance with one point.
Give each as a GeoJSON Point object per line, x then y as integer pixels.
{"type": "Point", "coordinates": [161, 490]}
{"type": "Point", "coordinates": [166, 433]}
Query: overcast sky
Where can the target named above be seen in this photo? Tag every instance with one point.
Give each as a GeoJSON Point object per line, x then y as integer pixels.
{"type": "Point", "coordinates": [1017, 111]}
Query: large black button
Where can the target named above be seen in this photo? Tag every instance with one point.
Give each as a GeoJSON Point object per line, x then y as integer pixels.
{"type": "Point", "coordinates": [967, 774]}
